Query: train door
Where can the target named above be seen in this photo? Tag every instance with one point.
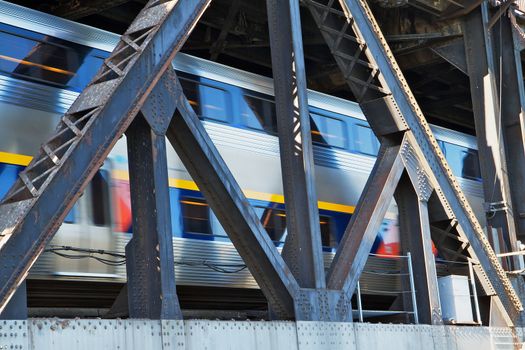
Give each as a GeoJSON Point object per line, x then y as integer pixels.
{"type": "Point", "coordinates": [76, 249]}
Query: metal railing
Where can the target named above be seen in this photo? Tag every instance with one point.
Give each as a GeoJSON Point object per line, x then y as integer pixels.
{"type": "Point", "coordinates": [402, 276]}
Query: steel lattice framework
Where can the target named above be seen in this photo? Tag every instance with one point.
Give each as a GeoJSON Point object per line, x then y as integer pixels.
{"type": "Point", "coordinates": [138, 93]}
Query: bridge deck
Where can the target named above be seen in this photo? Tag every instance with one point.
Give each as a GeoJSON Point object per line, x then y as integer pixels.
{"type": "Point", "coordinates": [56, 334]}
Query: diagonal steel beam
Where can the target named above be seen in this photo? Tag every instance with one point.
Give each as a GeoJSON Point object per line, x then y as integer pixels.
{"type": "Point", "coordinates": [357, 241]}
{"type": "Point", "coordinates": [218, 46]}
{"type": "Point", "coordinates": [353, 22]}
{"type": "Point", "coordinates": [39, 201]}
{"type": "Point", "coordinates": [211, 174]}
{"type": "Point", "coordinates": [302, 250]}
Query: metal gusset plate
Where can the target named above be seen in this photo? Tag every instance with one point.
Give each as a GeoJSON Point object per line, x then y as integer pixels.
{"type": "Point", "coordinates": [368, 65]}
{"type": "Point", "coordinates": [37, 204]}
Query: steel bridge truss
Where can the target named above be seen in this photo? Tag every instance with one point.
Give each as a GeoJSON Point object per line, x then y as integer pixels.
{"type": "Point", "coordinates": [137, 92]}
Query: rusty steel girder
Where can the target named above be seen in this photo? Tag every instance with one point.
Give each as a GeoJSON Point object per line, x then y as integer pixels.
{"type": "Point", "coordinates": [137, 77]}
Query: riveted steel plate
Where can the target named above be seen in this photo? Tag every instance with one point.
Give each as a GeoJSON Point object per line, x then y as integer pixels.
{"type": "Point", "coordinates": [14, 335]}
{"type": "Point", "coordinates": [470, 338]}
{"type": "Point", "coordinates": [232, 335]}
{"type": "Point", "coordinates": [325, 335]}
{"type": "Point", "coordinates": [105, 334]}
{"type": "Point", "coordinates": [393, 337]}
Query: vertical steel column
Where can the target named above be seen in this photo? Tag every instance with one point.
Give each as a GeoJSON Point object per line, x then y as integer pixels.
{"type": "Point", "coordinates": [150, 265]}
{"type": "Point", "coordinates": [415, 239]}
{"type": "Point", "coordinates": [512, 97]}
{"type": "Point", "coordinates": [480, 64]}
{"type": "Point", "coordinates": [302, 250]}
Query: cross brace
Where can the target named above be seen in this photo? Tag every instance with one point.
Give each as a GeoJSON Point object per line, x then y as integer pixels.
{"type": "Point", "coordinates": [39, 201]}
{"type": "Point", "coordinates": [353, 35]}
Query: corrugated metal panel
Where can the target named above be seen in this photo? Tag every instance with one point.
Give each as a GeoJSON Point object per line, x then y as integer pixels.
{"type": "Point", "coordinates": [32, 95]}
{"type": "Point", "coordinates": [197, 251]}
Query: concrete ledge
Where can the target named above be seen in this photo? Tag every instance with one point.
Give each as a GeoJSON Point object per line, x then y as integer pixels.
{"type": "Point", "coordinates": [56, 334]}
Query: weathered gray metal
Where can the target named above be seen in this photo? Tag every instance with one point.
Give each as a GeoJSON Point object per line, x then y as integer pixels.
{"type": "Point", "coordinates": [209, 171]}
{"type": "Point", "coordinates": [151, 290]}
{"type": "Point", "coordinates": [60, 334]}
{"type": "Point", "coordinates": [414, 228]}
{"type": "Point", "coordinates": [38, 202]}
{"type": "Point", "coordinates": [486, 107]}
{"type": "Point", "coordinates": [302, 250]}
{"type": "Point", "coordinates": [137, 76]}
{"type": "Point", "coordinates": [512, 101]}
{"type": "Point", "coordinates": [149, 255]}
{"type": "Point", "coordinates": [352, 33]}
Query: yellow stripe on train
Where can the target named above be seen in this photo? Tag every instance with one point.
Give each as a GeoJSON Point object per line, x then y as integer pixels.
{"type": "Point", "coordinates": [263, 196]}
{"type": "Point", "coordinates": [16, 159]}
{"type": "Point", "coordinates": [19, 159]}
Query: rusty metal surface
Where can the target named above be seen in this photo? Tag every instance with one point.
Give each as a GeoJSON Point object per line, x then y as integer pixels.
{"type": "Point", "coordinates": [302, 250]}
{"type": "Point", "coordinates": [352, 28]}
{"type": "Point", "coordinates": [58, 334]}
{"type": "Point", "coordinates": [209, 171]}
{"type": "Point", "coordinates": [38, 202]}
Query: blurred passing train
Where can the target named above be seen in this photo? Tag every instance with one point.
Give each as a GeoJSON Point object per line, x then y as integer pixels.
{"type": "Point", "coordinates": [46, 61]}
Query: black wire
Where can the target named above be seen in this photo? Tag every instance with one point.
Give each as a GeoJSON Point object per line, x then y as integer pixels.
{"type": "Point", "coordinates": [92, 254]}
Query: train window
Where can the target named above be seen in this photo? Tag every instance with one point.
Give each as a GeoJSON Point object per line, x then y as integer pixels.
{"type": "Point", "coordinates": [191, 90]}
{"type": "Point", "coordinates": [463, 161]}
{"type": "Point", "coordinates": [208, 102]}
{"type": "Point", "coordinates": [328, 131]}
{"type": "Point", "coordinates": [49, 60]}
{"type": "Point", "coordinates": [195, 216]}
{"type": "Point", "coordinates": [214, 103]}
{"type": "Point", "coordinates": [258, 113]}
{"type": "Point", "coordinates": [328, 238]}
{"type": "Point", "coordinates": [100, 199]}
{"type": "Point", "coordinates": [471, 168]}
{"type": "Point", "coordinates": [274, 221]}
{"type": "Point", "coordinates": [365, 140]}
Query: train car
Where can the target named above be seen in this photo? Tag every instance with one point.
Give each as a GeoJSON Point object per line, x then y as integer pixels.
{"type": "Point", "coordinates": [46, 61]}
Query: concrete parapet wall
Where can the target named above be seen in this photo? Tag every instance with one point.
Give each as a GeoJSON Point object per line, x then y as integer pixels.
{"type": "Point", "coordinates": [56, 334]}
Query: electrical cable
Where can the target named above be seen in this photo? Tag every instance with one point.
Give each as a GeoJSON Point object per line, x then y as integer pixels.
{"type": "Point", "coordinates": [121, 258]}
